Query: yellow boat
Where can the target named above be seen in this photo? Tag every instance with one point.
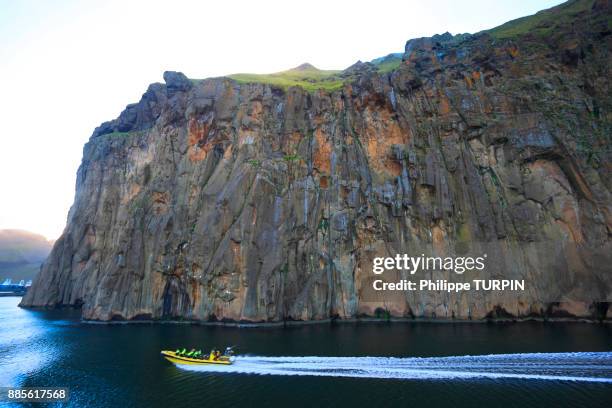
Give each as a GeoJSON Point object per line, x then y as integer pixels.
{"type": "Point", "coordinates": [181, 359]}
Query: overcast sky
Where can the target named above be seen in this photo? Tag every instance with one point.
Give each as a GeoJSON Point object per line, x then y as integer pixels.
{"type": "Point", "coordinates": [67, 66]}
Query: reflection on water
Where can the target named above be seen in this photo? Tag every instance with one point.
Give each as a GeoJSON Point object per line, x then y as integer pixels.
{"type": "Point", "coordinates": [27, 344]}
{"type": "Point", "coordinates": [420, 364]}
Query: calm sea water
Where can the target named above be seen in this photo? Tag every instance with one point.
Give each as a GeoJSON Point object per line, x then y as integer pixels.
{"type": "Point", "coordinates": [417, 365]}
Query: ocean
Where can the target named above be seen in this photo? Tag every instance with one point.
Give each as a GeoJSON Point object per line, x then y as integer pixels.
{"type": "Point", "coordinates": [528, 364]}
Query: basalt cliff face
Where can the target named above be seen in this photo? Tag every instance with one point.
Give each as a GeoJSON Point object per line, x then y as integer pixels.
{"type": "Point", "coordinates": [219, 200]}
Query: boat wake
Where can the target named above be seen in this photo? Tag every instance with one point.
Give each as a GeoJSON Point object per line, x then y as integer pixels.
{"type": "Point", "coordinates": [587, 367]}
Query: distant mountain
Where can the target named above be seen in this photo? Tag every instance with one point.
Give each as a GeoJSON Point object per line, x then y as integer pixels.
{"type": "Point", "coordinates": [22, 253]}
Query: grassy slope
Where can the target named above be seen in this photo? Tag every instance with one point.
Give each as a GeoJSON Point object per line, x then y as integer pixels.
{"type": "Point", "coordinates": [544, 22]}
{"type": "Point", "coordinates": [388, 63]}
{"type": "Point", "coordinates": [307, 77]}
{"type": "Point", "coordinates": [311, 79]}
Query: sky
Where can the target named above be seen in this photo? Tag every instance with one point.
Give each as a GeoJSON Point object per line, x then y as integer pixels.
{"type": "Point", "coordinates": [67, 66]}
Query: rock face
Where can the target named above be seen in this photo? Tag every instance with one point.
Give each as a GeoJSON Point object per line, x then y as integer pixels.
{"type": "Point", "coordinates": [212, 200]}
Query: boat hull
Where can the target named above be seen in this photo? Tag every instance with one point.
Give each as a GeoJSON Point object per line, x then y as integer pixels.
{"type": "Point", "coordinates": [174, 358]}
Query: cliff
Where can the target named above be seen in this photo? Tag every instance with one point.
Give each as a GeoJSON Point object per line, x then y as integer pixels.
{"type": "Point", "coordinates": [265, 198]}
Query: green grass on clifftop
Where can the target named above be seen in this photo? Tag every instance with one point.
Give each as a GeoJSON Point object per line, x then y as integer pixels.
{"type": "Point", "coordinates": [389, 63]}
{"type": "Point", "coordinates": [544, 22]}
{"type": "Point", "coordinates": [312, 79]}
{"type": "Point", "coordinates": [305, 76]}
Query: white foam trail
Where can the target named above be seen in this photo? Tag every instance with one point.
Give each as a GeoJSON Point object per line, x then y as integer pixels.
{"type": "Point", "coordinates": [588, 367]}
